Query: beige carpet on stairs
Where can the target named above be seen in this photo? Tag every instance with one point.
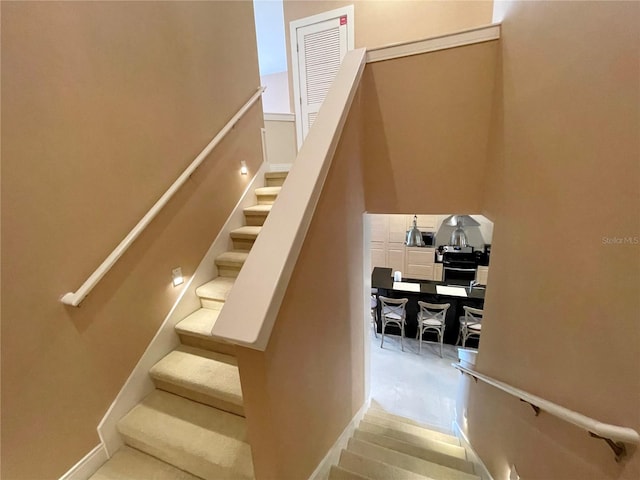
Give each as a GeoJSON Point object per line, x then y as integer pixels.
{"type": "Point", "coordinates": [388, 447]}
{"type": "Point", "coordinates": [192, 426]}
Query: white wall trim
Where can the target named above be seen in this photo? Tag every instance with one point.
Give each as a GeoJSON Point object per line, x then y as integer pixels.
{"type": "Point", "coordinates": [139, 384]}
{"type": "Point", "coordinates": [333, 455]}
{"type": "Point", "coordinates": [280, 117]}
{"type": "Point", "coordinates": [442, 42]}
{"type": "Point", "coordinates": [480, 468]}
{"type": "Point", "coordinates": [89, 464]}
{"type": "Point", "coordinates": [347, 10]}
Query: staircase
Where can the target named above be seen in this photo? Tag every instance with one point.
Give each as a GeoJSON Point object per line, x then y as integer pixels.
{"type": "Point", "coordinates": [192, 425]}
{"type": "Point", "coordinates": [388, 447]}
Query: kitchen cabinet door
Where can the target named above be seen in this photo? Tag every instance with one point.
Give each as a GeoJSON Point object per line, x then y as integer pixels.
{"type": "Point", "coordinates": [437, 272]}
{"type": "Point", "coordinates": [419, 263]}
{"type": "Point", "coordinates": [426, 223]}
{"type": "Point", "coordinates": [379, 228]}
{"type": "Point", "coordinates": [482, 275]}
{"type": "Point", "coordinates": [397, 229]}
{"type": "Point", "coordinates": [378, 255]}
{"type": "Point", "coordinates": [395, 257]}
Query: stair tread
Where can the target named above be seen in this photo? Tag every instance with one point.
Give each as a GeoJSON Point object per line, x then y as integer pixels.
{"type": "Point", "coordinates": [267, 190]}
{"type": "Point", "coordinates": [412, 429]}
{"type": "Point", "coordinates": [339, 473]}
{"type": "Point", "coordinates": [282, 174]}
{"type": "Point", "coordinates": [232, 257]}
{"type": "Point", "coordinates": [419, 441]}
{"type": "Point", "coordinates": [131, 464]}
{"type": "Point", "coordinates": [248, 232]}
{"type": "Point", "coordinates": [210, 373]}
{"type": "Point", "coordinates": [216, 289]}
{"type": "Point", "coordinates": [407, 462]}
{"type": "Point", "coordinates": [199, 323]}
{"type": "Point", "coordinates": [202, 440]}
{"type": "Point", "coordinates": [260, 209]}
{"type": "Point", "coordinates": [374, 469]}
{"type": "Point", "coordinates": [378, 412]}
{"type": "Point", "coordinates": [438, 452]}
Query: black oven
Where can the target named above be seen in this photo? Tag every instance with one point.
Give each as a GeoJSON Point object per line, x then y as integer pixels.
{"type": "Point", "coordinates": [459, 265]}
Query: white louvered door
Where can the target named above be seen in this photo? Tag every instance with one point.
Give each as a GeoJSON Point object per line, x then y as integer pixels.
{"type": "Point", "coordinates": [321, 43]}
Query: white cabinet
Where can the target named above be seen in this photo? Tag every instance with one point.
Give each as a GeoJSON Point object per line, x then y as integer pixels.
{"type": "Point", "coordinates": [397, 229]}
{"type": "Point", "coordinates": [395, 258]}
{"type": "Point", "coordinates": [437, 272]}
{"type": "Point", "coordinates": [419, 263]}
{"type": "Point", "coordinates": [378, 254]}
{"type": "Point", "coordinates": [379, 228]}
{"type": "Point", "coordinates": [482, 275]}
{"type": "Point", "coordinates": [426, 223]}
{"type": "Point", "coordinates": [388, 234]}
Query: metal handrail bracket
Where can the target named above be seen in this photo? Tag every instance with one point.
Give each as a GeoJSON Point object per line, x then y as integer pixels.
{"type": "Point", "coordinates": [615, 436]}
{"type": "Point", "coordinates": [75, 298]}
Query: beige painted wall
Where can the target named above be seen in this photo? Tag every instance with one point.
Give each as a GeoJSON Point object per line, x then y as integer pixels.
{"type": "Point", "coordinates": [427, 124]}
{"type": "Point", "coordinates": [301, 393]}
{"type": "Point", "coordinates": [563, 306]}
{"type": "Point", "coordinates": [384, 22]}
{"type": "Point", "coordinates": [103, 105]}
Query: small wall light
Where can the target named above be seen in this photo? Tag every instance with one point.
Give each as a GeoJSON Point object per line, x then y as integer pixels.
{"type": "Point", "coordinates": [243, 168]}
{"type": "Point", "coordinates": [176, 275]}
{"type": "Point", "coordinates": [514, 473]}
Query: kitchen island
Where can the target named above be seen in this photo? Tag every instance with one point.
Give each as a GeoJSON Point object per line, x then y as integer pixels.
{"type": "Point", "coordinates": [431, 292]}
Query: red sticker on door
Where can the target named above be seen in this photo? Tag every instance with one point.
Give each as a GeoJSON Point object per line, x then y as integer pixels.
{"type": "Point", "coordinates": [343, 20]}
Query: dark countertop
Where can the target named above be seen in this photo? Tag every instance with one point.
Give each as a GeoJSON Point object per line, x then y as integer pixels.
{"type": "Point", "coordinates": [383, 278]}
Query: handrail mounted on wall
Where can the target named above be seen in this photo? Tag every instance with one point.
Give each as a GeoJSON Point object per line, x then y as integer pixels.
{"type": "Point", "coordinates": [75, 298]}
{"type": "Point", "coordinates": [615, 436]}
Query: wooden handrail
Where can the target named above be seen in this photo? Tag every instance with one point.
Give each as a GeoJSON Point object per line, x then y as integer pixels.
{"type": "Point", "coordinates": [615, 436]}
{"type": "Point", "coordinates": [75, 298]}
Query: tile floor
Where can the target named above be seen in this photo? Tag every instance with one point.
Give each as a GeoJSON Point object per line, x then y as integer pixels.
{"type": "Point", "coordinates": [422, 387]}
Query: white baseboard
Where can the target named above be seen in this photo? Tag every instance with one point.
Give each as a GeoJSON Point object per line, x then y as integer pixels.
{"type": "Point", "coordinates": [481, 469]}
{"type": "Point", "coordinates": [139, 384]}
{"type": "Point", "coordinates": [86, 467]}
{"type": "Point", "coordinates": [333, 455]}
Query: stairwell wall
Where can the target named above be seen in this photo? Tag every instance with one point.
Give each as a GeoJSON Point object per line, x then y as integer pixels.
{"type": "Point", "coordinates": [104, 104]}
{"type": "Point", "coordinates": [562, 185]}
{"type": "Point", "coordinates": [427, 130]}
{"type": "Point", "coordinates": [304, 389]}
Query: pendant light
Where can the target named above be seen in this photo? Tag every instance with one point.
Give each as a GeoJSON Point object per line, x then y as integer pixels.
{"type": "Point", "coordinates": [414, 237]}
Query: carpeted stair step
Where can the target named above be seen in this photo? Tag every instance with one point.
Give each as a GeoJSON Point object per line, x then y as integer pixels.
{"type": "Point", "coordinates": [230, 263]}
{"type": "Point", "coordinates": [214, 293]}
{"type": "Point", "coordinates": [195, 330]}
{"type": "Point", "coordinates": [200, 375]}
{"type": "Point", "coordinates": [438, 452]}
{"type": "Point", "coordinates": [256, 214]}
{"type": "Point", "coordinates": [267, 195]}
{"type": "Point", "coordinates": [374, 469]}
{"type": "Point", "coordinates": [131, 464]}
{"type": "Point", "coordinates": [275, 179]}
{"type": "Point", "coordinates": [377, 412]}
{"type": "Point", "coordinates": [339, 473]}
{"type": "Point", "coordinates": [244, 237]}
{"type": "Point", "coordinates": [406, 462]}
{"type": "Point", "coordinates": [199, 439]}
{"type": "Point", "coordinates": [411, 429]}
{"type": "Point", "coordinates": [418, 441]}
